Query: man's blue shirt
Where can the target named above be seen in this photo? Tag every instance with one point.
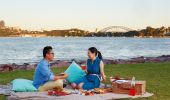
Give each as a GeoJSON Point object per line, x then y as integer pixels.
{"type": "Point", "coordinates": [42, 73]}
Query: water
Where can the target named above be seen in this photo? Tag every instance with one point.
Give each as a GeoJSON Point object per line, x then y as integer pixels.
{"type": "Point", "coordinates": [29, 50]}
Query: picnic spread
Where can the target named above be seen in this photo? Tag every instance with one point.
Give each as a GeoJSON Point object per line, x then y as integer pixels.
{"type": "Point", "coordinates": [119, 88]}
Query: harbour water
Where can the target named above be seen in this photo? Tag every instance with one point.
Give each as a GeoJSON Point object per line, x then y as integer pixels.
{"type": "Point", "coordinates": [29, 50]}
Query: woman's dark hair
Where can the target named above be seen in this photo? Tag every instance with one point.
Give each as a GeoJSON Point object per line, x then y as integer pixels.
{"type": "Point", "coordinates": [46, 50]}
{"type": "Point", "coordinates": [97, 53]}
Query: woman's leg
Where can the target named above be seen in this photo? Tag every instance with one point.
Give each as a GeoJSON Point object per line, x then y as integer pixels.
{"type": "Point", "coordinates": [88, 86]}
{"type": "Point", "coordinates": [90, 83]}
{"type": "Point", "coordinates": [73, 85]}
{"type": "Point", "coordinates": [80, 86]}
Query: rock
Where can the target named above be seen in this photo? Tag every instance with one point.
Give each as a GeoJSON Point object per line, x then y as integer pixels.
{"type": "Point", "coordinates": [60, 64]}
{"type": "Point", "coordinates": [15, 67]}
{"type": "Point", "coordinates": [164, 58]}
{"type": "Point", "coordinates": [6, 68]}
{"type": "Point", "coordinates": [30, 67]}
{"type": "Point", "coordinates": [152, 59]}
{"type": "Point", "coordinates": [79, 62]}
{"type": "Point", "coordinates": [63, 64]}
{"type": "Point", "coordinates": [167, 56]}
{"type": "Point", "coordinates": [106, 61]}
{"type": "Point", "coordinates": [138, 59]}
{"type": "Point", "coordinates": [121, 61]}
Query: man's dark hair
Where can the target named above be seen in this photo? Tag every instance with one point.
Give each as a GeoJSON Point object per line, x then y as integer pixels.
{"type": "Point", "coordinates": [46, 50]}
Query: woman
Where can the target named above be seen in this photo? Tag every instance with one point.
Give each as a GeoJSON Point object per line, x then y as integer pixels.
{"type": "Point", "coordinates": [95, 71]}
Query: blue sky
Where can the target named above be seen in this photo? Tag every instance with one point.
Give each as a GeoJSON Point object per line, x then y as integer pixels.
{"type": "Point", "coordinates": [84, 14]}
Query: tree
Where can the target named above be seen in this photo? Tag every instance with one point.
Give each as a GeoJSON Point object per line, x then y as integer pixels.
{"type": "Point", "coordinates": [2, 24]}
{"type": "Point", "coordinates": [168, 29]}
{"type": "Point", "coordinates": [162, 31]}
{"type": "Point", "coordinates": [150, 31]}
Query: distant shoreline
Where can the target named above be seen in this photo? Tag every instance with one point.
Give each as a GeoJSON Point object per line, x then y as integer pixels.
{"type": "Point", "coordinates": [111, 31]}
{"type": "Point", "coordinates": [80, 36]}
{"type": "Point", "coordinates": [66, 63]}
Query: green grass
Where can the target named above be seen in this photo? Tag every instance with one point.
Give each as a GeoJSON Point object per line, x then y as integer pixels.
{"type": "Point", "coordinates": [157, 76]}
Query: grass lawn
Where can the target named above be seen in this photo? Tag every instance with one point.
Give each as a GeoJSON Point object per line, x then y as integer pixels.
{"type": "Point", "coordinates": [157, 76]}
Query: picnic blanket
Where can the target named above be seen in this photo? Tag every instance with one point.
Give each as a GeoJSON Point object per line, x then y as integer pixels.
{"type": "Point", "coordinates": [5, 90]}
{"type": "Point", "coordinates": [44, 96]}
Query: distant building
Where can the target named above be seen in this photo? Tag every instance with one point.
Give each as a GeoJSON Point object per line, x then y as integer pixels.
{"type": "Point", "coordinates": [13, 29]}
{"type": "Point", "coordinates": [2, 24]}
{"type": "Point", "coordinates": [32, 35]}
{"type": "Point", "coordinates": [75, 30]}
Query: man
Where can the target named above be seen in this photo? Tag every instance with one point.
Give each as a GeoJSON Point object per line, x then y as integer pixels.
{"type": "Point", "coordinates": [44, 79]}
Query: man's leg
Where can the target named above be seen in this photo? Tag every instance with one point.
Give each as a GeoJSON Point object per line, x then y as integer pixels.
{"type": "Point", "coordinates": [51, 85]}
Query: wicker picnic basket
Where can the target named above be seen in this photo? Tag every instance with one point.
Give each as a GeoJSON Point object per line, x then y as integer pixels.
{"type": "Point", "coordinates": [125, 87]}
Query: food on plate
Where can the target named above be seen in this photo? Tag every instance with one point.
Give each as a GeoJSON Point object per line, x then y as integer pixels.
{"type": "Point", "coordinates": [99, 90]}
{"type": "Point", "coordinates": [87, 93]}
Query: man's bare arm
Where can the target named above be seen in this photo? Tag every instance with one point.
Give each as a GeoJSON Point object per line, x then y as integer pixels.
{"type": "Point", "coordinates": [61, 76]}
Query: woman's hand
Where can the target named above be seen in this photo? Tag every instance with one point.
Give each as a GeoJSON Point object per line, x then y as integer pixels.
{"type": "Point", "coordinates": [104, 78]}
{"type": "Point", "coordinates": [86, 71]}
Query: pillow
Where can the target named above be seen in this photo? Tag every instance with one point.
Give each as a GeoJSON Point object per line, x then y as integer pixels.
{"type": "Point", "coordinates": [23, 85]}
{"type": "Point", "coordinates": [74, 72]}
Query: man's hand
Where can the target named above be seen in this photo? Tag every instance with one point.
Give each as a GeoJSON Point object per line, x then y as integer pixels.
{"type": "Point", "coordinates": [60, 76]}
{"type": "Point", "coordinates": [56, 78]}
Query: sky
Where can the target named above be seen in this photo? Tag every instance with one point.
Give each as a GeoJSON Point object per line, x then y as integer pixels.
{"type": "Point", "coordinates": [84, 14]}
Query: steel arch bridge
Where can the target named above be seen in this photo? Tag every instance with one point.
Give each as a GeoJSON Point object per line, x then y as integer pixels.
{"type": "Point", "coordinates": [115, 29]}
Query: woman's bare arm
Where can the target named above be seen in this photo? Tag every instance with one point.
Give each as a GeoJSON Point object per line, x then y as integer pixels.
{"type": "Point", "coordinates": [86, 69]}
{"type": "Point", "coordinates": [102, 71]}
